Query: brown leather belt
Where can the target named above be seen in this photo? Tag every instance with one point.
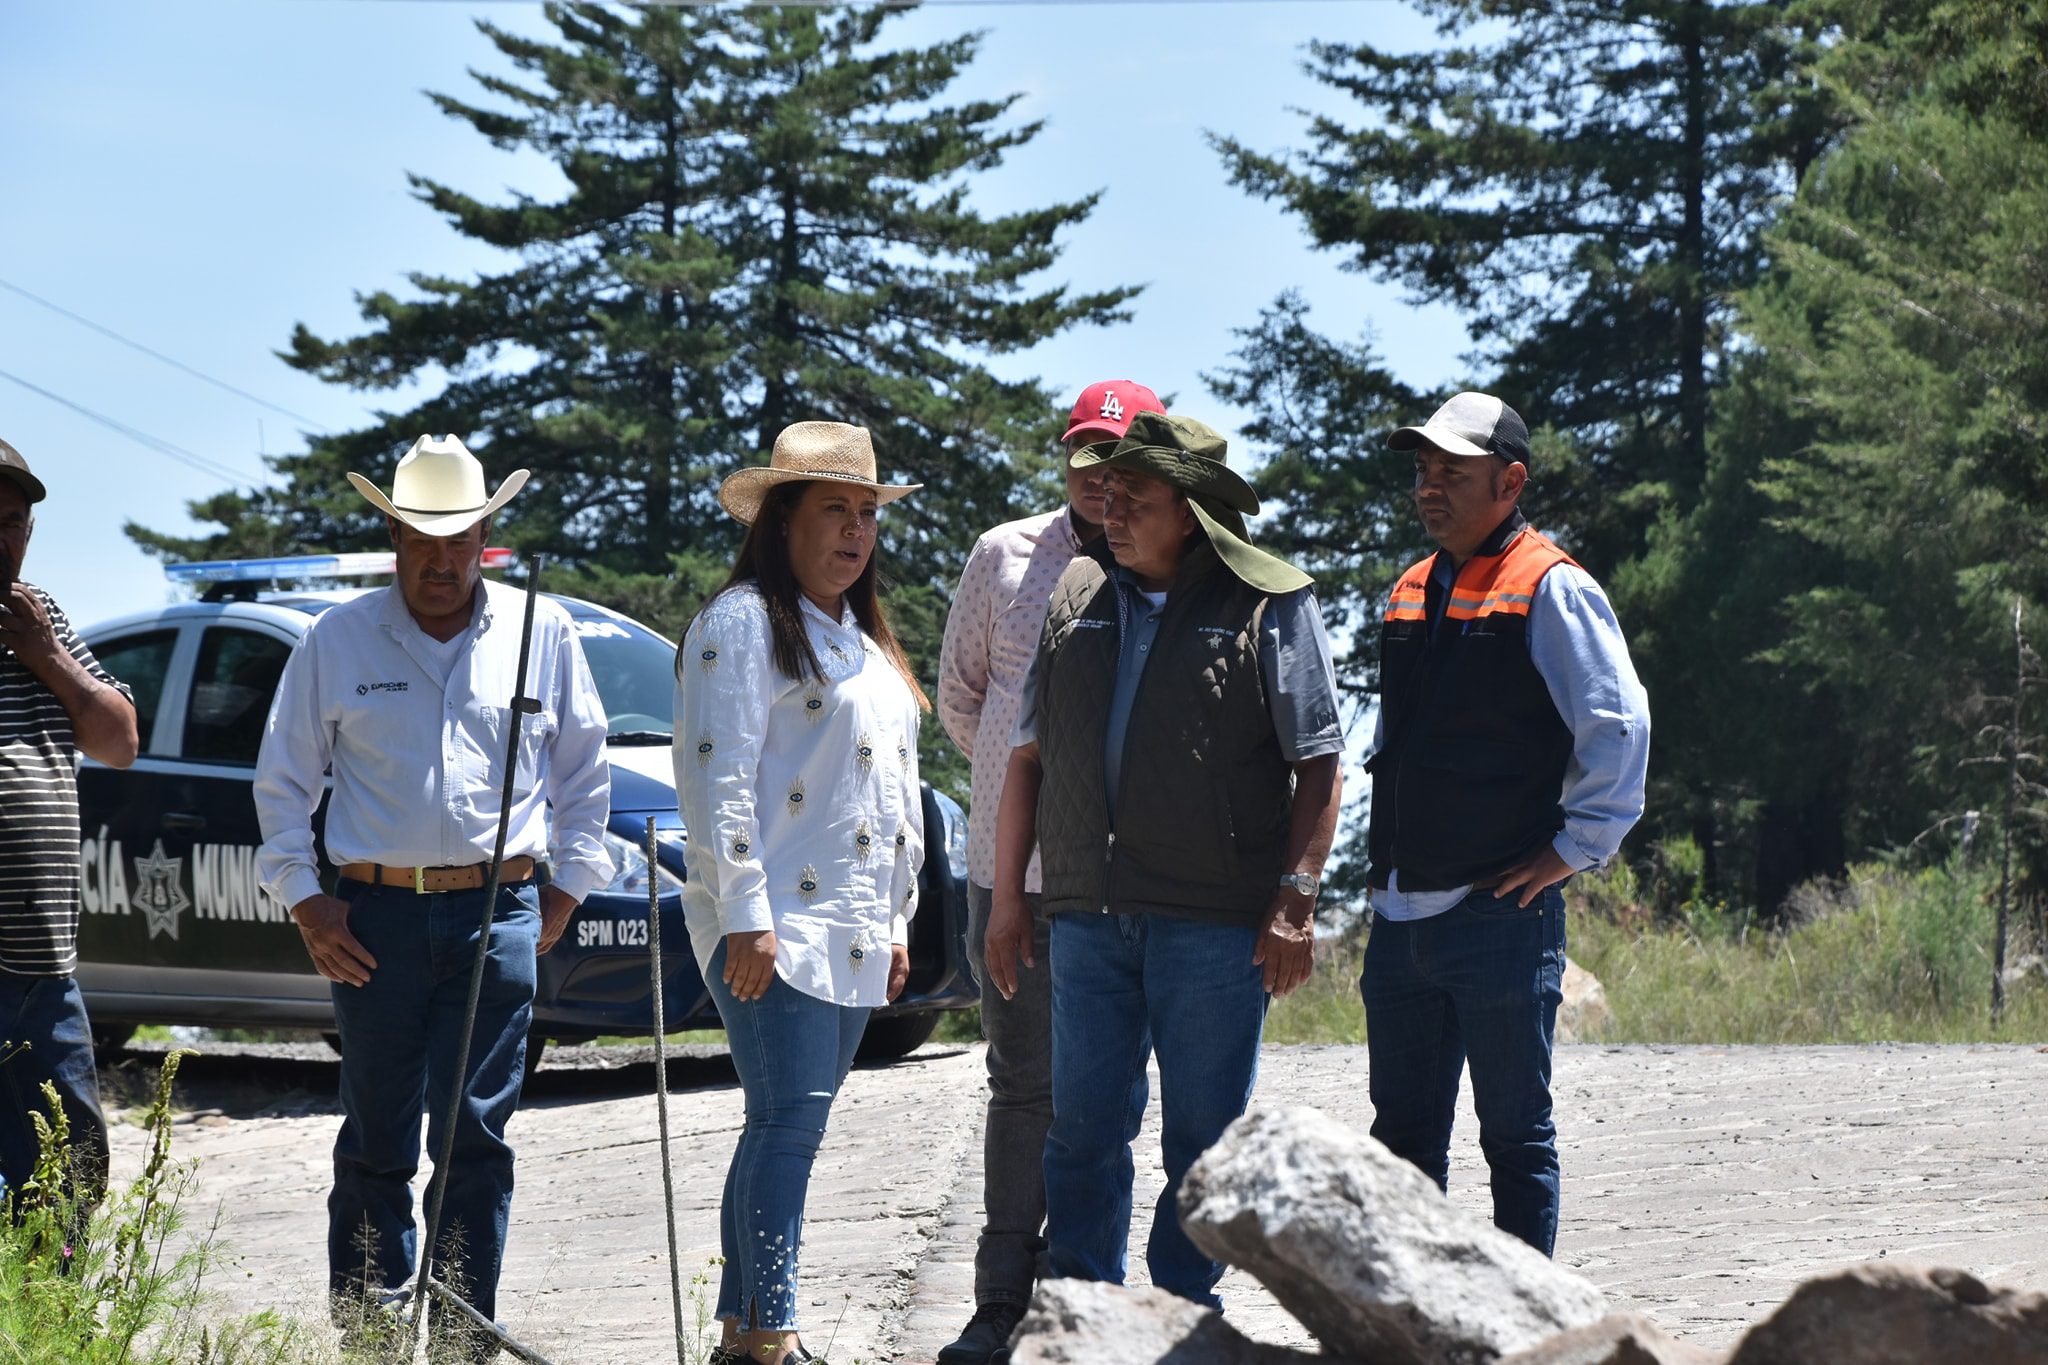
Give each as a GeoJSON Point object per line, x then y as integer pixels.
{"type": "Point", "coordinates": [430, 880]}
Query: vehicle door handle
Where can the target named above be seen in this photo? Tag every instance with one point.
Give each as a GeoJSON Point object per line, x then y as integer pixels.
{"type": "Point", "coordinates": [184, 821]}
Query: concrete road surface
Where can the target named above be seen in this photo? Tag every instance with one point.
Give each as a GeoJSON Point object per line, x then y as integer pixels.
{"type": "Point", "coordinates": [1701, 1184]}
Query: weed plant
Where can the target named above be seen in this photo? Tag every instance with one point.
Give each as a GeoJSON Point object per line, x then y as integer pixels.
{"type": "Point", "coordinates": [109, 1284]}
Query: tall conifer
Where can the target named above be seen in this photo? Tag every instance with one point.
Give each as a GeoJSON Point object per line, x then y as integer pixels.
{"type": "Point", "coordinates": [766, 219]}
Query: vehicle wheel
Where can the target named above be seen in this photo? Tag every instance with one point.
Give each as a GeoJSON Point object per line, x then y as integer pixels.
{"type": "Point", "coordinates": [107, 1039]}
{"type": "Point", "coordinates": [899, 1035]}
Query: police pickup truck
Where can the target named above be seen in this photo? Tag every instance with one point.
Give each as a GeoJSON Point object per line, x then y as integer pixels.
{"type": "Point", "coordinates": [176, 931]}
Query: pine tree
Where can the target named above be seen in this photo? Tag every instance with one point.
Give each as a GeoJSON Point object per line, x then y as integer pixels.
{"type": "Point", "coordinates": [1589, 189]}
{"type": "Point", "coordinates": [766, 220]}
{"type": "Point", "coordinates": [1833, 619]}
{"type": "Point", "coordinates": [1909, 323]}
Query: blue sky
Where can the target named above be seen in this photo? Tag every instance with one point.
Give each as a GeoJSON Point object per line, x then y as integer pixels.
{"type": "Point", "coordinates": [201, 177]}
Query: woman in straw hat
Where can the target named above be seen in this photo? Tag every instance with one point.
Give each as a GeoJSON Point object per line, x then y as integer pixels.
{"type": "Point", "coordinates": [796, 765]}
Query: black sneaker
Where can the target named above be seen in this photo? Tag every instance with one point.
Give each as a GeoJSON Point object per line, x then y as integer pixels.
{"type": "Point", "coordinates": [986, 1338]}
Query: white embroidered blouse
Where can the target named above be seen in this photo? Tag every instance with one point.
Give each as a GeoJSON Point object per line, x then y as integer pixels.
{"type": "Point", "coordinates": [800, 799]}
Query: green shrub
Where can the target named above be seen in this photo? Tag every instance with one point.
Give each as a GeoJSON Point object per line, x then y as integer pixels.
{"type": "Point", "coordinates": [1885, 955]}
{"type": "Point", "coordinates": [86, 1284]}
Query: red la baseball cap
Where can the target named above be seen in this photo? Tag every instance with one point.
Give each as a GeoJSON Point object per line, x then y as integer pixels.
{"type": "Point", "coordinates": [1109, 407]}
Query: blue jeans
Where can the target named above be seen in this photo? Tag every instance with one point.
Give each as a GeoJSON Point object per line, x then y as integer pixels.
{"type": "Point", "coordinates": [44, 1037]}
{"type": "Point", "coordinates": [792, 1052]}
{"type": "Point", "coordinates": [1124, 986]}
{"type": "Point", "coordinates": [1479, 983]}
{"type": "Point", "coordinates": [399, 1034]}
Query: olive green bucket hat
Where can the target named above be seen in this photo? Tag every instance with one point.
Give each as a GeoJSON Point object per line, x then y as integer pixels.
{"type": "Point", "coordinates": [1193, 457]}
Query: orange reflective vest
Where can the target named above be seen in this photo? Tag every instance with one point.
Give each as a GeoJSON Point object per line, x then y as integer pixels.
{"type": "Point", "coordinates": [1469, 775]}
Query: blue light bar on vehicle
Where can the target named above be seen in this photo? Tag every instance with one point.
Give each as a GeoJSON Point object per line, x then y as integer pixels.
{"type": "Point", "coordinates": [362, 564]}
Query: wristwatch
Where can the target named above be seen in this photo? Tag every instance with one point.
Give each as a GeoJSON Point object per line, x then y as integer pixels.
{"type": "Point", "coordinates": [1301, 882]}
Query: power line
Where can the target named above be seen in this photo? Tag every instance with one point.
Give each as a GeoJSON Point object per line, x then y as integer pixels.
{"type": "Point", "coordinates": [153, 354]}
{"type": "Point", "coordinates": [203, 464]}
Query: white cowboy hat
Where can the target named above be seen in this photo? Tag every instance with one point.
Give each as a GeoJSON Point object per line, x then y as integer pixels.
{"type": "Point", "coordinates": [809, 450]}
{"type": "Point", "coordinates": [439, 488]}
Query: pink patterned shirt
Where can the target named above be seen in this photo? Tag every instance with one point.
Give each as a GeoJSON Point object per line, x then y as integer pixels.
{"type": "Point", "coordinates": [991, 637]}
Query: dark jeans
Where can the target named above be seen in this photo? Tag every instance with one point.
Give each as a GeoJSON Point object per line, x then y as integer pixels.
{"type": "Point", "coordinates": [1122, 987]}
{"type": "Point", "coordinates": [1478, 984]}
{"type": "Point", "coordinates": [1009, 1258]}
{"type": "Point", "coordinates": [399, 1034]}
{"type": "Point", "coordinates": [792, 1052]}
{"type": "Point", "coordinates": [44, 1037]}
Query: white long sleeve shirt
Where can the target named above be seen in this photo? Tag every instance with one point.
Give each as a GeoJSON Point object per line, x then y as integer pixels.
{"type": "Point", "coordinates": [992, 631]}
{"type": "Point", "coordinates": [800, 798]}
{"type": "Point", "coordinates": [415, 735]}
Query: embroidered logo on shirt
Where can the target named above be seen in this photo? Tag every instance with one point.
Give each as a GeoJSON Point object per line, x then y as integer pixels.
{"type": "Point", "coordinates": [796, 796]}
{"type": "Point", "coordinates": [864, 841]}
{"type": "Point", "coordinates": [814, 703]}
{"type": "Point", "coordinates": [864, 753]}
{"type": "Point", "coordinates": [807, 884]}
{"type": "Point", "coordinates": [365, 689]}
{"type": "Point", "coordinates": [704, 749]}
{"type": "Point", "coordinates": [903, 756]}
{"type": "Point", "coordinates": [901, 837]}
{"type": "Point", "coordinates": [740, 847]}
{"type": "Point", "coordinates": [707, 658]}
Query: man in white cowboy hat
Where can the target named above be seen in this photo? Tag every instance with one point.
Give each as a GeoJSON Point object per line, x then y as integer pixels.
{"type": "Point", "coordinates": [405, 694]}
{"type": "Point", "coordinates": [1176, 760]}
{"type": "Point", "coordinates": [991, 635]}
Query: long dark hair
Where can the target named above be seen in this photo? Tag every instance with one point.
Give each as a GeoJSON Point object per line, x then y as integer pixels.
{"type": "Point", "coordinates": [763, 560]}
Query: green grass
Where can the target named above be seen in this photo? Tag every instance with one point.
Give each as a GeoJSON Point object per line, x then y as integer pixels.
{"type": "Point", "coordinates": [1886, 956]}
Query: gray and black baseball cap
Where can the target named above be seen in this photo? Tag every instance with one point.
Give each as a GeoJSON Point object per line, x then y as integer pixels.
{"type": "Point", "coordinates": [15, 470]}
{"type": "Point", "coordinates": [1470, 424]}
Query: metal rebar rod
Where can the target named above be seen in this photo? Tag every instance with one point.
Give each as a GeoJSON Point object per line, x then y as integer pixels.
{"type": "Point", "coordinates": [668, 1182]}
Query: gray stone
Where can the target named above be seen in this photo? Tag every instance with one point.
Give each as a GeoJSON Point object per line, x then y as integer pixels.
{"type": "Point", "coordinates": [1883, 1314]}
{"type": "Point", "coordinates": [1367, 1252]}
{"type": "Point", "coordinates": [1083, 1322]}
{"type": "Point", "coordinates": [1617, 1339]}
{"type": "Point", "coordinates": [1584, 1011]}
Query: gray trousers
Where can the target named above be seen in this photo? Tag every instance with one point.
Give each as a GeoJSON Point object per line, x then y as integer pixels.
{"type": "Point", "coordinates": [1010, 1255]}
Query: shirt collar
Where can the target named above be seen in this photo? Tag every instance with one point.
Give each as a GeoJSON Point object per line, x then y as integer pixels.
{"type": "Point", "coordinates": [1058, 530]}
{"type": "Point", "coordinates": [847, 620]}
{"type": "Point", "coordinates": [394, 615]}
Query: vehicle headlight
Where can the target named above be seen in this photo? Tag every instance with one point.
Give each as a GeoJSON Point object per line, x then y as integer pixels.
{"type": "Point", "coordinates": [631, 861]}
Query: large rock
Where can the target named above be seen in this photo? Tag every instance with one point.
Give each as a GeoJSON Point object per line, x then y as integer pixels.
{"type": "Point", "coordinates": [1617, 1339]}
{"type": "Point", "coordinates": [1367, 1252]}
{"type": "Point", "coordinates": [1898, 1315]}
{"type": "Point", "coordinates": [1584, 1010]}
{"type": "Point", "coordinates": [1081, 1322]}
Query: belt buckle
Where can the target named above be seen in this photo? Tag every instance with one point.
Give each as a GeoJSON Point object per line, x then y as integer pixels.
{"type": "Point", "coordinates": [419, 881]}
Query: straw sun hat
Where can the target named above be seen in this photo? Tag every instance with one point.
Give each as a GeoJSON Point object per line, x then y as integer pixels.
{"type": "Point", "coordinates": [830, 451]}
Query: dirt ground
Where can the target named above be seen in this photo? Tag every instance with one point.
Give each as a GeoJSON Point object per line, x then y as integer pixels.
{"type": "Point", "coordinates": [1701, 1184]}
